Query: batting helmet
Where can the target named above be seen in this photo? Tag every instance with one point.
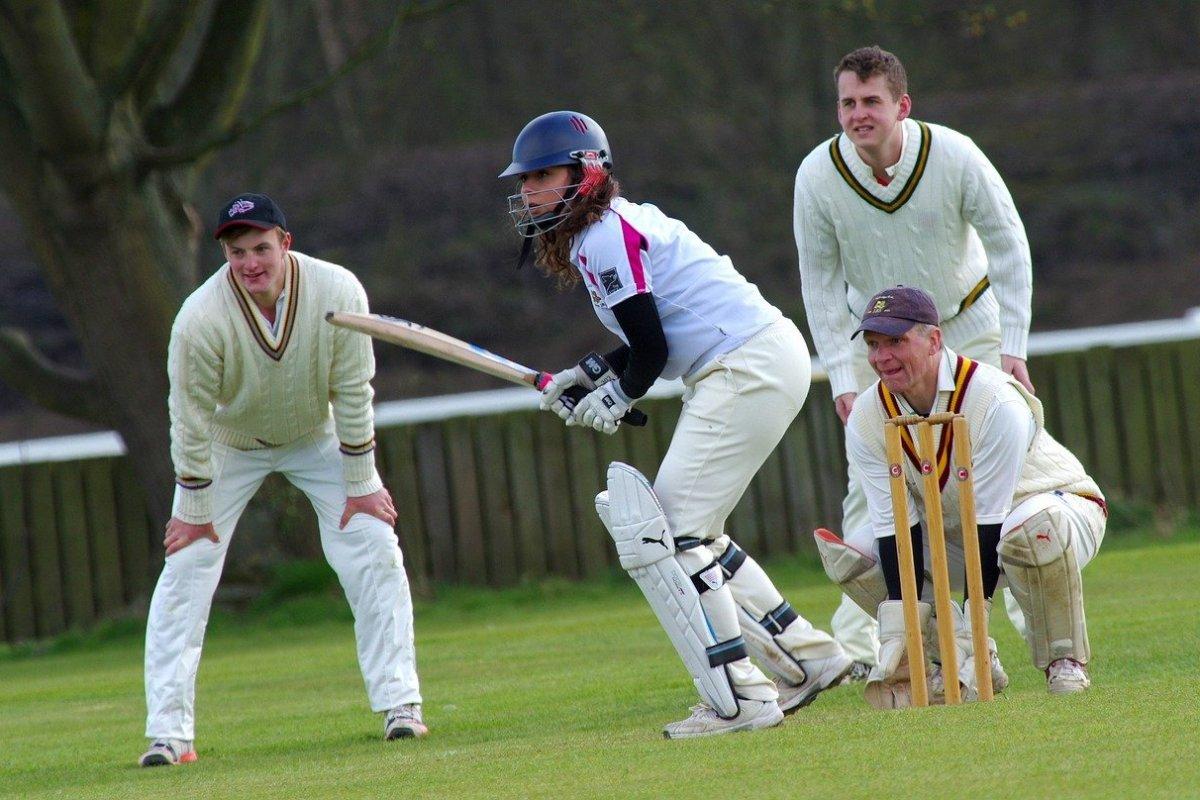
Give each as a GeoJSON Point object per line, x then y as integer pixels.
{"type": "Point", "coordinates": [558, 138]}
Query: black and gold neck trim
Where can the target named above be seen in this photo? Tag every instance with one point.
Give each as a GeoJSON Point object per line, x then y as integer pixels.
{"type": "Point", "coordinates": [910, 185]}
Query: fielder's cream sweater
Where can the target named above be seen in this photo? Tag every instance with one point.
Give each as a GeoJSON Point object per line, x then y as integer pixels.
{"type": "Point", "coordinates": [944, 222]}
{"type": "Point", "coordinates": [235, 381]}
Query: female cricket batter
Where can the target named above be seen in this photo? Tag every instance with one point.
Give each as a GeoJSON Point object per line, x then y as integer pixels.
{"type": "Point", "coordinates": [682, 311]}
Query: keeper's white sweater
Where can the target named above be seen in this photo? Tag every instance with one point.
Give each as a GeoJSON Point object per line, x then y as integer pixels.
{"type": "Point", "coordinates": [235, 381]}
{"type": "Point", "coordinates": [943, 223]}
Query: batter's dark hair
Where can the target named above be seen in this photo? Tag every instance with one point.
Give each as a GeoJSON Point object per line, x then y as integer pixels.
{"type": "Point", "coordinates": [866, 62]}
{"type": "Point", "coordinates": [552, 251]}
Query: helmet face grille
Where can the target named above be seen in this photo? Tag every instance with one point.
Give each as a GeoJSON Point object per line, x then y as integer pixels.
{"type": "Point", "coordinates": [531, 221]}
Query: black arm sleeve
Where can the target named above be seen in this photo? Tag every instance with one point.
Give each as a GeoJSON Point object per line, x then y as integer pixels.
{"type": "Point", "coordinates": [646, 354]}
{"type": "Point", "coordinates": [989, 541]}
{"type": "Point", "coordinates": [889, 562]}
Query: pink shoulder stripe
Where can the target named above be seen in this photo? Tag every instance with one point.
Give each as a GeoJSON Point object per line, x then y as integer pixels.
{"type": "Point", "coordinates": [635, 243]}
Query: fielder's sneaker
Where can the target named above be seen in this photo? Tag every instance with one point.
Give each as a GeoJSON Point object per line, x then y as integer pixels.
{"type": "Point", "coordinates": [404, 722]}
{"type": "Point", "coordinates": [858, 673]}
{"type": "Point", "coordinates": [753, 714]}
{"type": "Point", "coordinates": [168, 753]}
{"type": "Point", "coordinates": [821, 674]}
{"type": "Point", "coordinates": [1066, 676]}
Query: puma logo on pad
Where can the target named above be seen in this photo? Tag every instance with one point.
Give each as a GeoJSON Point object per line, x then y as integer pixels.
{"type": "Point", "coordinates": [660, 540]}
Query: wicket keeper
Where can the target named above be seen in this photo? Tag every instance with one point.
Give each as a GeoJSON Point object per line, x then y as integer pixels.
{"type": "Point", "coordinates": [1041, 518]}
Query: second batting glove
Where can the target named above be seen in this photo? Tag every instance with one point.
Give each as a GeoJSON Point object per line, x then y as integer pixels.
{"type": "Point", "coordinates": [565, 388]}
{"type": "Point", "coordinates": [603, 408]}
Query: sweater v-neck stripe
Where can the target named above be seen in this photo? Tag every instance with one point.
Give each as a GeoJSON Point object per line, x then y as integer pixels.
{"type": "Point", "coordinates": [910, 185]}
{"type": "Point", "coordinates": [272, 346]}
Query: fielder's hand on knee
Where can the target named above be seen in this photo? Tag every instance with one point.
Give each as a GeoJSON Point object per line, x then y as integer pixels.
{"type": "Point", "coordinates": [603, 408]}
{"type": "Point", "coordinates": [378, 505]}
{"type": "Point", "coordinates": [180, 534]}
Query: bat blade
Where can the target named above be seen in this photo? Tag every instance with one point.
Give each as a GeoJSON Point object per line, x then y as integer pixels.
{"type": "Point", "coordinates": [414, 336]}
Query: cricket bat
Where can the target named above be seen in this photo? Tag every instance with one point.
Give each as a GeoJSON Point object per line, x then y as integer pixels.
{"type": "Point", "coordinates": [414, 336]}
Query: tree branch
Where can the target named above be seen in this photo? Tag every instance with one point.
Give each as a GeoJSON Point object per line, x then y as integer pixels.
{"type": "Point", "coordinates": [69, 392]}
{"type": "Point", "coordinates": [61, 105]}
{"type": "Point", "coordinates": [219, 76]}
{"type": "Point", "coordinates": [163, 25]}
{"type": "Point", "coordinates": [158, 157]}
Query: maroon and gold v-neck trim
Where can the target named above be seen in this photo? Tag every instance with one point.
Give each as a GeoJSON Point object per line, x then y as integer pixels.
{"type": "Point", "coordinates": [273, 344]}
{"type": "Point", "coordinates": [964, 369]}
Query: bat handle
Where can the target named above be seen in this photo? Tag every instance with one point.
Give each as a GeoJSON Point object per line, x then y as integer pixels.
{"type": "Point", "coordinates": [634, 416]}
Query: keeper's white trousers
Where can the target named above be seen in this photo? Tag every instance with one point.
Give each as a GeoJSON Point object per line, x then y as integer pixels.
{"type": "Point", "coordinates": [735, 410]}
{"type": "Point", "coordinates": [975, 334]}
{"type": "Point", "coordinates": [365, 556]}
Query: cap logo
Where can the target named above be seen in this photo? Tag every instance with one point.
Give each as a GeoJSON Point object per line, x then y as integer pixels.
{"type": "Point", "coordinates": [240, 207]}
{"type": "Point", "coordinates": [579, 125]}
{"type": "Point", "coordinates": [880, 306]}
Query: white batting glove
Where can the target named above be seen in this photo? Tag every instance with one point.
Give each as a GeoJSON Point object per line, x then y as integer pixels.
{"type": "Point", "coordinates": [603, 408]}
{"type": "Point", "coordinates": [552, 392]}
{"type": "Point", "coordinates": [591, 371]}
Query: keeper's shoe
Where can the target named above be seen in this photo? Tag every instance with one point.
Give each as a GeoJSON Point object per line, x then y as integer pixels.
{"type": "Point", "coordinates": [821, 673]}
{"type": "Point", "coordinates": [752, 715]}
{"type": "Point", "coordinates": [168, 753]}
{"type": "Point", "coordinates": [1066, 676]}
{"type": "Point", "coordinates": [404, 722]}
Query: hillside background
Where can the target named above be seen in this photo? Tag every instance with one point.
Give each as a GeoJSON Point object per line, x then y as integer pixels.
{"type": "Point", "coordinates": [1089, 110]}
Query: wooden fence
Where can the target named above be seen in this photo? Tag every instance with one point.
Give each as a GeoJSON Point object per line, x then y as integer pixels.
{"type": "Point", "coordinates": [497, 499]}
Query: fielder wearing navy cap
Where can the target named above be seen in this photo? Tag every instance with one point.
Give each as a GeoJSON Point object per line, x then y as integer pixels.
{"type": "Point", "coordinates": [893, 311]}
{"type": "Point", "coordinates": [255, 210]}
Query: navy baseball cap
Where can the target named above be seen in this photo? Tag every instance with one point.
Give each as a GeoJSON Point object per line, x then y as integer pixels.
{"type": "Point", "coordinates": [255, 210]}
{"type": "Point", "coordinates": [893, 311]}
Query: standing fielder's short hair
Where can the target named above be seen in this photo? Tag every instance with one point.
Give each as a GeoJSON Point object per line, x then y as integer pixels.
{"type": "Point", "coordinates": [866, 62]}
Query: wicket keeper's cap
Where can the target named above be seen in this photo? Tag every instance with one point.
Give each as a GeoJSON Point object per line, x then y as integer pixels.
{"type": "Point", "coordinates": [255, 210]}
{"type": "Point", "coordinates": [893, 311]}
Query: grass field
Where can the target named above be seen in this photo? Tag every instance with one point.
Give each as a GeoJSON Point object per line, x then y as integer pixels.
{"type": "Point", "coordinates": [560, 691]}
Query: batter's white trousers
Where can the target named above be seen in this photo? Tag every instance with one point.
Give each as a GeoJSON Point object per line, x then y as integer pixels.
{"type": "Point", "coordinates": [365, 556]}
{"type": "Point", "coordinates": [975, 334]}
{"type": "Point", "coordinates": [735, 411]}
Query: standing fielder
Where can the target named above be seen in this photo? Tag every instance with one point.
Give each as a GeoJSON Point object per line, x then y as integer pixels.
{"type": "Point", "coordinates": [895, 201]}
{"type": "Point", "coordinates": [1041, 517]}
{"type": "Point", "coordinates": [261, 384]}
{"type": "Point", "coordinates": [681, 310]}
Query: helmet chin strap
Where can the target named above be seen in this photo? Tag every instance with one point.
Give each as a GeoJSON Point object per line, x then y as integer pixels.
{"type": "Point", "coordinates": [526, 249]}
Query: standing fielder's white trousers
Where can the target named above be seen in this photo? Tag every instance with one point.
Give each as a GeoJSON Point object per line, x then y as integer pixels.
{"type": "Point", "coordinates": [365, 556]}
{"type": "Point", "coordinates": [735, 410]}
{"type": "Point", "coordinates": [975, 334]}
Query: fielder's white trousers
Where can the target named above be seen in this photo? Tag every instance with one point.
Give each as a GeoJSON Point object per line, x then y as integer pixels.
{"type": "Point", "coordinates": [365, 556]}
{"type": "Point", "coordinates": [975, 334]}
{"type": "Point", "coordinates": [735, 411]}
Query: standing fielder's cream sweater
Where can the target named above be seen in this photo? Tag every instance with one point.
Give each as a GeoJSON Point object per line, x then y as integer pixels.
{"type": "Point", "coordinates": [236, 382]}
{"type": "Point", "coordinates": [944, 222]}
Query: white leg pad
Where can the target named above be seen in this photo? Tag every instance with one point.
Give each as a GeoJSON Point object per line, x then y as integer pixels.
{"type": "Point", "coordinates": [858, 573]}
{"type": "Point", "coordinates": [1043, 573]}
{"type": "Point", "coordinates": [635, 520]}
